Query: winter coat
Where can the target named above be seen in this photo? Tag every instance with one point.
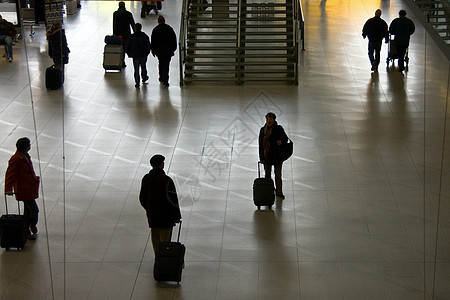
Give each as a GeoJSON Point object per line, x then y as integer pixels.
{"type": "Point", "coordinates": [402, 28]}
{"type": "Point", "coordinates": [164, 41]}
{"type": "Point", "coordinates": [7, 28]}
{"type": "Point", "coordinates": [159, 199]}
{"type": "Point", "coordinates": [57, 45]}
{"type": "Point", "coordinates": [20, 178]}
{"type": "Point", "coordinates": [138, 45]}
{"type": "Point", "coordinates": [273, 155]}
{"type": "Point", "coordinates": [122, 21]}
{"type": "Point", "coordinates": [375, 29]}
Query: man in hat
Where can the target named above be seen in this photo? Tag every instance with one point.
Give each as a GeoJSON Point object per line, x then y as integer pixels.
{"type": "Point", "coordinates": [21, 180]}
{"type": "Point", "coordinates": [159, 199]}
{"type": "Point", "coordinates": [123, 22]}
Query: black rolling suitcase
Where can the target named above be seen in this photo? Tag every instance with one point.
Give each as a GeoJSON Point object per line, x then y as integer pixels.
{"type": "Point", "coordinates": [53, 78]}
{"type": "Point", "coordinates": [263, 191]}
{"type": "Point", "coordinates": [13, 229]}
{"type": "Point", "coordinates": [169, 260]}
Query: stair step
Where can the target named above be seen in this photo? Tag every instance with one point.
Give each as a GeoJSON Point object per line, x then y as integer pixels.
{"type": "Point", "coordinates": [242, 26]}
{"type": "Point", "coordinates": [243, 19]}
{"type": "Point", "coordinates": [439, 23]}
{"type": "Point", "coordinates": [246, 56]}
{"type": "Point", "coordinates": [203, 39]}
{"type": "Point", "coordinates": [211, 42]}
{"type": "Point", "coordinates": [213, 64]}
{"type": "Point", "coordinates": [233, 33]}
{"type": "Point", "coordinates": [243, 48]}
{"type": "Point", "coordinates": [210, 78]}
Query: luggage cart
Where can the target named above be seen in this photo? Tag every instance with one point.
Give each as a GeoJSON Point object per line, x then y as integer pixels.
{"type": "Point", "coordinates": [392, 53]}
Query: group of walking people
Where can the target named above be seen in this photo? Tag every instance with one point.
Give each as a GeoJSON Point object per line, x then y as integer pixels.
{"type": "Point", "coordinates": [376, 29]}
{"type": "Point", "coordinates": [138, 45]}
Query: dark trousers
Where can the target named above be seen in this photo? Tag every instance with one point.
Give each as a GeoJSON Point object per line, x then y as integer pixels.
{"type": "Point", "coordinates": [142, 63]}
{"type": "Point", "coordinates": [160, 235]}
{"type": "Point", "coordinates": [164, 64]}
{"type": "Point", "coordinates": [374, 52]}
{"type": "Point", "coordinates": [278, 181]}
{"type": "Point", "coordinates": [401, 51]}
{"type": "Point", "coordinates": [124, 42]}
{"type": "Point", "coordinates": [31, 212]}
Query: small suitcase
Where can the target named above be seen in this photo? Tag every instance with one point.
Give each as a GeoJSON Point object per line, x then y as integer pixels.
{"type": "Point", "coordinates": [53, 78]}
{"type": "Point", "coordinates": [13, 229]}
{"type": "Point", "coordinates": [169, 260]}
{"type": "Point", "coordinates": [112, 57]}
{"type": "Point", "coordinates": [263, 191]}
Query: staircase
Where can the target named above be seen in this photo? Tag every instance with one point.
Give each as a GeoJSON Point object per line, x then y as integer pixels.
{"type": "Point", "coordinates": [438, 16]}
{"type": "Point", "coordinates": [240, 40]}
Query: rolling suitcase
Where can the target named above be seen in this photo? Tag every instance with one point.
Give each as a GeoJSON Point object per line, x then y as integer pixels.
{"type": "Point", "coordinates": [53, 78]}
{"type": "Point", "coordinates": [13, 229]}
{"type": "Point", "coordinates": [112, 57]}
{"type": "Point", "coordinates": [169, 260]}
{"type": "Point", "coordinates": [263, 191]}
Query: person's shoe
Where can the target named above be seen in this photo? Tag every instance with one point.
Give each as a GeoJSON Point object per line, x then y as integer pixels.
{"type": "Point", "coordinates": [281, 196]}
{"type": "Point", "coordinates": [32, 237]}
{"type": "Point", "coordinates": [372, 69]}
{"type": "Point", "coordinates": [401, 69]}
{"type": "Point", "coordinates": [144, 79]}
{"type": "Point", "coordinates": [166, 84]}
{"type": "Point", "coordinates": [10, 59]}
{"type": "Point", "coordinates": [136, 85]}
{"type": "Point", "coordinates": [124, 65]}
{"type": "Point", "coordinates": [34, 229]}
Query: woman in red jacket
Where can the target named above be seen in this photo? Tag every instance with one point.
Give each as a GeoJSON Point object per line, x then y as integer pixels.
{"type": "Point", "coordinates": [21, 180]}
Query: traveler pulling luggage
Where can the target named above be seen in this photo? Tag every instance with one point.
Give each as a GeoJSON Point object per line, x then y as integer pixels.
{"type": "Point", "coordinates": [263, 191]}
{"type": "Point", "coordinates": [13, 229]}
{"type": "Point", "coordinates": [113, 52]}
{"type": "Point", "coordinates": [169, 260]}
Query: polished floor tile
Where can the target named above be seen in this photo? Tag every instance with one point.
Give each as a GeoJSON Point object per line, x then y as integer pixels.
{"type": "Point", "coordinates": [363, 187]}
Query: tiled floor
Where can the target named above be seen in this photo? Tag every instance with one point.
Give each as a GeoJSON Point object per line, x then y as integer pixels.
{"type": "Point", "coordinates": [353, 221]}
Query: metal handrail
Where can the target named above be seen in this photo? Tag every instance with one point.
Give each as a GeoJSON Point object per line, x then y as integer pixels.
{"type": "Point", "coordinates": [182, 39]}
{"type": "Point", "coordinates": [239, 46]}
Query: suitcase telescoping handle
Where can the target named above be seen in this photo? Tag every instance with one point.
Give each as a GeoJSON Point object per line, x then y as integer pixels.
{"type": "Point", "coordinates": [179, 231]}
{"type": "Point", "coordinates": [259, 171]}
{"type": "Point", "coordinates": [6, 204]}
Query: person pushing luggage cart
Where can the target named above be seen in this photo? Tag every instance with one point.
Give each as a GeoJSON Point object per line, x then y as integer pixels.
{"type": "Point", "coordinates": [401, 28]}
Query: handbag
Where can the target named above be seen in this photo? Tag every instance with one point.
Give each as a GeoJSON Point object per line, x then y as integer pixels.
{"type": "Point", "coordinates": [286, 150]}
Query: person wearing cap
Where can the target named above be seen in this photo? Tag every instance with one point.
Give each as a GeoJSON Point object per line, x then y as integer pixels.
{"type": "Point", "coordinates": [164, 44]}
{"type": "Point", "coordinates": [271, 136]}
{"type": "Point", "coordinates": [21, 180]}
{"type": "Point", "coordinates": [123, 22]}
{"type": "Point", "coordinates": [402, 28]}
{"type": "Point", "coordinates": [158, 197]}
